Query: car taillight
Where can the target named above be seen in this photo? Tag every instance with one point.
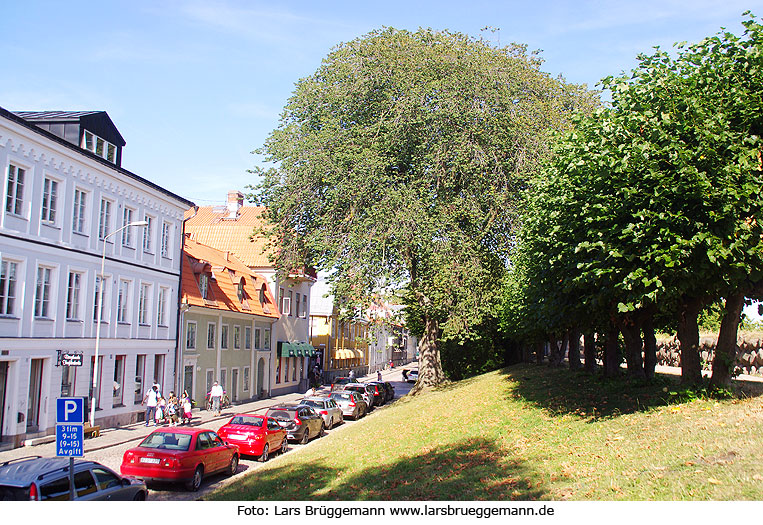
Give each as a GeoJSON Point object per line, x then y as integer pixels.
{"type": "Point", "coordinates": [297, 421]}
{"type": "Point", "coordinates": [129, 457]}
{"type": "Point", "coordinates": [33, 494]}
{"type": "Point", "coordinates": [324, 412]}
{"type": "Point", "coordinates": [376, 388]}
{"type": "Point", "coordinates": [352, 402]}
{"type": "Point", "coordinates": [170, 462]}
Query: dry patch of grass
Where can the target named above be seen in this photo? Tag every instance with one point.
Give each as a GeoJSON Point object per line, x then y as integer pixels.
{"type": "Point", "coordinates": [530, 432]}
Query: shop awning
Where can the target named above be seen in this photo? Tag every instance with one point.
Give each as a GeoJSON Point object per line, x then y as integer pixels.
{"type": "Point", "coordinates": [347, 353]}
{"type": "Point", "coordinates": [286, 349]}
{"type": "Point", "coordinates": [307, 349]}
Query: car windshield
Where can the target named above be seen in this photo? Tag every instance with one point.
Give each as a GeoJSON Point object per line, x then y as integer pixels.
{"type": "Point", "coordinates": [339, 395]}
{"type": "Point", "coordinates": [167, 440]}
{"type": "Point", "coordinates": [313, 403]}
{"type": "Point", "coordinates": [356, 388]}
{"type": "Point", "coordinates": [252, 421]}
{"type": "Point", "coordinates": [282, 414]}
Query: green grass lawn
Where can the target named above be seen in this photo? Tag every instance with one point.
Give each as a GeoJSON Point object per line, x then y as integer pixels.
{"type": "Point", "coordinates": [529, 432]}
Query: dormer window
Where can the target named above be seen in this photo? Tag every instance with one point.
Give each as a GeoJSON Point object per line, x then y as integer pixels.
{"type": "Point", "coordinates": [262, 294]}
{"type": "Point", "coordinates": [240, 290]}
{"type": "Point", "coordinates": [100, 147]}
{"type": "Point", "coordinates": [203, 285]}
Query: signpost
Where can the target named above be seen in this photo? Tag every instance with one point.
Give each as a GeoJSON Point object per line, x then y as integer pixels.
{"type": "Point", "coordinates": [70, 435]}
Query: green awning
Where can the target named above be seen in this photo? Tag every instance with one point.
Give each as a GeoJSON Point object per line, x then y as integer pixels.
{"type": "Point", "coordinates": [308, 349]}
{"type": "Point", "coordinates": [286, 349]}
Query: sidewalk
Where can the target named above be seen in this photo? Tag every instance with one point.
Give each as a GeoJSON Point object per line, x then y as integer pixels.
{"type": "Point", "coordinates": [111, 437]}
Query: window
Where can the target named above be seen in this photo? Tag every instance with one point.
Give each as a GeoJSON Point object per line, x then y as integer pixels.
{"type": "Point", "coordinates": [148, 232]}
{"type": "Point", "coordinates": [119, 373]}
{"type": "Point", "coordinates": [67, 380]}
{"type": "Point", "coordinates": [78, 220]}
{"type": "Point", "coordinates": [266, 337]}
{"type": "Point", "coordinates": [190, 335]}
{"type": "Point", "coordinates": [203, 285]}
{"type": "Point", "coordinates": [122, 299]}
{"type": "Point", "coordinates": [304, 306]}
{"type": "Point", "coordinates": [98, 290]}
{"type": "Point", "coordinates": [287, 307]}
{"type": "Point", "coordinates": [262, 294]}
{"type": "Point", "coordinates": [210, 379]}
{"type": "Point", "coordinates": [14, 202]}
{"type": "Point", "coordinates": [297, 305]}
{"type": "Point", "coordinates": [293, 368]}
{"type": "Point", "coordinates": [245, 386]}
{"type": "Point", "coordinates": [42, 293]}
{"type": "Point", "coordinates": [100, 147]}
{"type": "Point", "coordinates": [211, 335]}
{"type": "Point", "coordinates": [257, 344]}
{"type": "Point", "coordinates": [127, 232]}
{"type": "Point", "coordinates": [165, 239]}
{"type": "Point", "coordinates": [161, 309]}
{"type": "Point", "coordinates": [240, 290]}
{"type": "Point", "coordinates": [140, 367]}
{"type": "Point", "coordinates": [247, 337]}
{"type": "Point", "coordinates": [236, 337]}
{"type": "Point", "coordinates": [104, 222]}
{"type": "Point", "coordinates": [278, 369]}
{"type": "Point", "coordinates": [49, 200]}
{"type": "Point", "coordinates": [224, 337]}
{"type": "Point", "coordinates": [72, 296]}
{"type": "Point", "coordinates": [143, 300]}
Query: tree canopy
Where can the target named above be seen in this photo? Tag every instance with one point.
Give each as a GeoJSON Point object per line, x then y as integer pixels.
{"type": "Point", "coordinates": [398, 164]}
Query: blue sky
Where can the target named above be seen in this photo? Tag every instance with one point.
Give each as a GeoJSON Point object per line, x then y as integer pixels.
{"type": "Point", "coordinates": [194, 86]}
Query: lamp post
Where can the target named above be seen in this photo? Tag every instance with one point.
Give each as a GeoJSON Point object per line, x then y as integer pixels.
{"type": "Point", "coordinates": [100, 313]}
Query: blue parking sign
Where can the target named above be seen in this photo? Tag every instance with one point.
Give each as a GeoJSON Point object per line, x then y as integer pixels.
{"type": "Point", "coordinates": [70, 441]}
{"type": "Point", "coordinates": [70, 410]}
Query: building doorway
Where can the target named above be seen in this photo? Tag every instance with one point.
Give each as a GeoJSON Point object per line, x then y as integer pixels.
{"type": "Point", "coordinates": [188, 379]}
{"type": "Point", "coordinates": [3, 386]}
{"type": "Point", "coordinates": [260, 386]}
{"type": "Point", "coordinates": [33, 402]}
{"type": "Point", "coordinates": [234, 384]}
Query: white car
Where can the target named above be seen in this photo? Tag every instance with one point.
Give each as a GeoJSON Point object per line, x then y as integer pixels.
{"type": "Point", "coordinates": [412, 375]}
{"type": "Point", "coordinates": [327, 408]}
{"type": "Point", "coordinates": [364, 390]}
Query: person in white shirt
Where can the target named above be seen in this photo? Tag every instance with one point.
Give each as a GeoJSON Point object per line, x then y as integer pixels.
{"type": "Point", "coordinates": [150, 400]}
{"type": "Point", "coordinates": [217, 395]}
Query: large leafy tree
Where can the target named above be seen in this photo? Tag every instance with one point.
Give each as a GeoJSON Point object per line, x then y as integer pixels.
{"type": "Point", "coordinates": [398, 164]}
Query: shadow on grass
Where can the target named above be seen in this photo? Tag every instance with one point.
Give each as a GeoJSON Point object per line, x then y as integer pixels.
{"type": "Point", "coordinates": [563, 391]}
{"type": "Point", "coordinates": [474, 469]}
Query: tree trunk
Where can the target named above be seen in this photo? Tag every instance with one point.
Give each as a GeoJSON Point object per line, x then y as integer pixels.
{"type": "Point", "coordinates": [574, 349]}
{"type": "Point", "coordinates": [430, 366]}
{"type": "Point", "coordinates": [539, 347]}
{"type": "Point", "coordinates": [633, 346]}
{"type": "Point", "coordinates": [611, 357]}
{"type": "Point", "coordinates": [688, 339]}
{"type": "Point", "coordinates": [589, 350]}
{"type": "Point", "coordinates": [650, 347]}
{"type": "Point", "coordinates": [725, 349]}
{"type": "Point", "coordinates": [553, 350]}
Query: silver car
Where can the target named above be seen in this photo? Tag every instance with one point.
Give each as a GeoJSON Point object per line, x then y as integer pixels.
{"type": "Point", "coordinates": [365, 390]}
{"type": "Point", "coordinates": [351, 403]}
{"type": "Point", "coordinates": [327, 408]}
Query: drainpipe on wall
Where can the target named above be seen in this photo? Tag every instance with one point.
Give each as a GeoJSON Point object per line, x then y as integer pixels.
{"type": "Point", "coordinates": [178, 378]}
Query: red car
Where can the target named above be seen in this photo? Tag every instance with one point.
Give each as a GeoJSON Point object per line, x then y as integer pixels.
{"type": "Point", "coordinates": [254, 435]}
{"type": "Point", "coordinates": [180, 454]}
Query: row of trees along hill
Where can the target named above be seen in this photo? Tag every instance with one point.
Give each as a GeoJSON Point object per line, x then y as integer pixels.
{"type": "Point", "coordinates": [399, 165]}
{"type": "Point", "coordinates": [650, 210]}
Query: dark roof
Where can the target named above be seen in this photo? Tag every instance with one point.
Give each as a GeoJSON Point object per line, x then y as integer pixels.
{"type": "Point", "coordinates": [97, 121]}
{"type": "Point", "coordinates": [58, 116]}
{"type": "Point", "coordinates": [29, 125]}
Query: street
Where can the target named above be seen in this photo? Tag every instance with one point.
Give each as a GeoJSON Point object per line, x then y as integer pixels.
{"type": "Point", "coordinates": [109, 448]}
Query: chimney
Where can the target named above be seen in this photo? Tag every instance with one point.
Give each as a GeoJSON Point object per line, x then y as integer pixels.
{"type": "Point", "coordinates": [235, 201]}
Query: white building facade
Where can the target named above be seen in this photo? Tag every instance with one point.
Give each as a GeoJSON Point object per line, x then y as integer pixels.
{"type": "Point", "coordinates": [62, 208]}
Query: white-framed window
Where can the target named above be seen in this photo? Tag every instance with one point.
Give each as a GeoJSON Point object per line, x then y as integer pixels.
{"type": "Point", "coordinates": [8, 273]}
{"type": "Point", "coordinates": [266, 339]}
{"type": "Point", "coordinates": [224, 337]}
{"type": "Point", "coordinates": [190, 335]}
{"type": "Point", "coordinates": [72, 296]}
{"type": "Point", "coordinates": [98, 299]}
{"type": "Point", "coordinates": [166, 239]}
{"type": "Point", "coordinates": [287, 305]}
{"type": "Point", "coordinates": [148, 233]}
{"type": "Point", "coordinates": [304, 306]}
{"type": "Point", "coordinates": [102, 148]}
{"type": "Point", "coordinates": [14, 200]}
{"type": "Point", "coordinates": [123, 298]}
{"type": "Point", "coordinates": [236, 337]}
{"type": "Point", "coordinates": [80, 211]}
{"type": "Point", "coordinates": [297, 305]}
{"type": "Point", "coordinates": [203, 285]}
{"type": "Point", "coordinates": [211, 335]}
{"type": "Point", "coordinates": [104, 221]}
{"type": "Point", "coordinates": [42, 292]}
{"type": "Point", "coordinates": [257, 339]}
{"type": "Point", "coordinates": [49, 200]}
{"type": "Point", "coordinates": [127, 236]}
{"type": "Point", "coordinates": [161, 307]}
{"type": "Point", "coordinates": [144, 299]}
{"type": "Point", "coordinates": [245, 386]}
{"type": "Point", "coordinates": [247, 337]}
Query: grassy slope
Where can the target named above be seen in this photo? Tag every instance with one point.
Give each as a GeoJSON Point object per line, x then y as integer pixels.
{"type": "Point", "coordinates": [530, 432]}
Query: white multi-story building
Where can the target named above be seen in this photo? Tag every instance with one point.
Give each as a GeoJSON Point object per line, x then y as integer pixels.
{"type": "Point", "coordinates": [65, 197]}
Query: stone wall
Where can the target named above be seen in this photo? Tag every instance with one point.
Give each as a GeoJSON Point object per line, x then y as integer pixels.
{"type": "Point", "coordinates": [749, 358]}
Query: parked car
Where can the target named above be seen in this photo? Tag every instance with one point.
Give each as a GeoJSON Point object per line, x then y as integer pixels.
{"type": "Point", "coordinates": [389, 390]}
{"type": "Point", "coordinates": [327, 408]}
{"type": "Point", "coordinates": [339, 382]}
{"type": "Point", "coordinates": [351, 403]}
{"type": "Point", "coordinates": [364, 389]}
{"type": "Point", "coordinates": [411, 375]}
{"type": "Point", "coordinates": [37, 479]}
{"type": "Point", "coordinates": [379, 393]}
{"type": "Point", "coordinates": [180, 454]}
{"type": "Point", "coordinates": [254, 435]}
{"type": "Point", "coordinates": [301, 422]}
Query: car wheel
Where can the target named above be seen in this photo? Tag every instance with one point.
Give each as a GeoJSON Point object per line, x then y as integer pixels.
{"type": "Point", "coordinates": [233, 467]}
{"type": "Point", "coordinates": [305, 436]}
{"type": "Point", "coordinates": [264, 456]}
{"type": "Point", "coordinates": [195, 482]}
{"type": "Point", "coordinates": [140, 496]}
{"type": "Point", "coordinates": [284, 446]}
{"type": "Point", "coordinates": [323, 430]}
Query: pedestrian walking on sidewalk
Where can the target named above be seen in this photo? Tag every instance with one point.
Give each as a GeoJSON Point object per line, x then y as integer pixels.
{"type": "Point", "coordinates": [217, 396]}
{"type": "Point", "coordinates": [351, 375]}
{"type": "Point", "coordinates": [378, 375]}
{"type": "Point", "coordinates": [150, 400]}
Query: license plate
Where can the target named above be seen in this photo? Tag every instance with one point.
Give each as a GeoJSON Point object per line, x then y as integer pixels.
{"type": "Point", "coordinates": [150, 460]}
{"type": "Point", "coordinates": [236, 436]}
